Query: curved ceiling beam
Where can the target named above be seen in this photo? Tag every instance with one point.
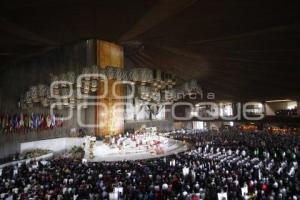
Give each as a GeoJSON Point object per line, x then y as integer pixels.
{"type": "Point", "coordinates": [157, 14]}
{"type": "Point", "coordinates": [23, 33]}
{"type": "Point", "coordinates": [248, 34]}
{"type": "Point", "coordinates": [165, 65]}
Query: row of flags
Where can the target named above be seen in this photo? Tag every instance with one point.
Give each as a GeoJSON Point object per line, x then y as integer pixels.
{"type": "Point", "coordinates": [29, 121]}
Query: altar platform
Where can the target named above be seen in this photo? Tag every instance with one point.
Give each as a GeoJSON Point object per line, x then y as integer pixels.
{"type": "Point", "coordinates": [106, 152]}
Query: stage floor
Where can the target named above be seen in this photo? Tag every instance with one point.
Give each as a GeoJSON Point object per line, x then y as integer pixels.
{"type": "Point", "coordinates": [104, 152]}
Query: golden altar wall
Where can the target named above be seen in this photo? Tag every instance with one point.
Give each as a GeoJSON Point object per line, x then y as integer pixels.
{"type": "Point", "coordinates": [111, 121]}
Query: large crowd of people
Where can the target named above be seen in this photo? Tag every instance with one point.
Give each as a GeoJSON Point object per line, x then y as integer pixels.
{"type": "Point", "coordinates": [287, 112]}
{"type": "Point", "coordinates": [225, 165]}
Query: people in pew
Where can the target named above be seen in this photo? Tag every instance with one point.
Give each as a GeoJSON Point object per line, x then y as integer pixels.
{"type": "Point", "coordinates": [224, 165]}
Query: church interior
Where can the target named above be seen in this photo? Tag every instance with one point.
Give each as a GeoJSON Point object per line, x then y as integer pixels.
{"type": "Point", "coordinates": [149, 100]}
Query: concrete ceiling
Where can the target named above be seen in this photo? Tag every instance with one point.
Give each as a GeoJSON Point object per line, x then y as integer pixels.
{"type": "Point", "coordinates": [238, 49]}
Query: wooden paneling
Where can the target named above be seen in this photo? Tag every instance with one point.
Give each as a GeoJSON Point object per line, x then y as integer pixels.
{"type": "Point", "coordinates": [112, 122]}
{"type": "Point", "coordinates": [109, 54]}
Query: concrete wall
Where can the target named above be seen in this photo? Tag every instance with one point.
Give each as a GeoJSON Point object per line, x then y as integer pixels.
{"type": "Point", "coordinates": [180, 125]}
{"type": "Point", "coordinates": [165, 125]}
{"type": "Point", "coordinates": [214, 125]}
{"type": "Point", "coordinates": [55, 145]}
{"type": "Point", "coordinates": [271, 108]}
{"type": "Point", "coordinates": [10, 142]}
{"type": "Point", "coordinates": [90, 118]}
{"type": "Point", "coordinates": [18, 77]}
{"type": "Point", "coordinates": [160, 124]}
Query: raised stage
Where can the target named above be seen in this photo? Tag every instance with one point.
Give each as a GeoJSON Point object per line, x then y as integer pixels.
{"type": "Point", "coordinates": [143, 147]}
{"type": "Point", "coordinates": [165, 146]}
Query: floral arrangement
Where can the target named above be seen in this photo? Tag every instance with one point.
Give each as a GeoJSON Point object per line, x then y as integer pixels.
{"type": "Point", "coordinates": [77, 152]}
{"type": "Point", "coordinates": [91, 150]}
{"type": "Point", "coordinates": [34, 153]}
